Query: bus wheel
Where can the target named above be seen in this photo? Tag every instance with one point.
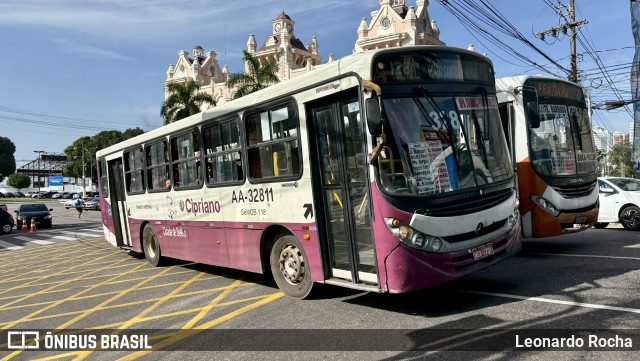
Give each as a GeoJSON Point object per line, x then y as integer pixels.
{"type": "Point", "coordinates": [630, 218]}
{"type": "Point", "coordinates": [290, 268]}
{"type": "Point", "coordinates": [151, 246]}
{"type": "Point", "coordinates": [600, 225]}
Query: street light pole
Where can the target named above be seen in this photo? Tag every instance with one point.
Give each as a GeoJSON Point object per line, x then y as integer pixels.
{"type": "Point", "coordinates": [39, 158]}
{"type": "Point", "coordinates": [83, 186]}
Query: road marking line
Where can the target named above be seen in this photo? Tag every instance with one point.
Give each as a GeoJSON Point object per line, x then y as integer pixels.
{"type": "Point", "coordinates": [181, 334]}
{"type": "Point", "coordinates": [65, 238]}
{"type": "Point", "coordinates": [633, 246]}
{"type": "Point", "coordinates": [586, 255]}
{"type": "Point", "coordinates": [9, 246]}
{"type": "Point", "coordinates": [559, 302]}
{"type": "Point", "coordinates": [31, 240]}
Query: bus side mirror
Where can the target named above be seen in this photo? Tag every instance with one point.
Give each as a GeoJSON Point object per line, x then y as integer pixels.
{"type": "Point", "coordinates": [533, 115]}
{"type": "Point", "coordinates": [374, 116]}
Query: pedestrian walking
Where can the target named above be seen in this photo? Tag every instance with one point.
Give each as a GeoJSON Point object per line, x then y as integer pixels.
{"type": "Point", "coordinates": [78, 205]}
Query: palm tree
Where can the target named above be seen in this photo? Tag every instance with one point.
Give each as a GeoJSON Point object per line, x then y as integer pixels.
{"type": "Point", "coordinates": [185, 100]}
{"type": "Point", "coordinates": [257, 76]}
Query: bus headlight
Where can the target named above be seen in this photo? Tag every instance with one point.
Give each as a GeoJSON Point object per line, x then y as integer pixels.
{"type": "Point", "coordinates": [436, 244]}
{"type": "Point", "coordinates": [546, 205]}
{"type": "Point", "coordinates": [412, 237]}
{"type": "Point", "coordinates": [513, 218]}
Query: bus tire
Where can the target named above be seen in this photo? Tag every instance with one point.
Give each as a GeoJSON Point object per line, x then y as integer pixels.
{"type": "Point", "coordinates": [290, 268]}
{"type": "Point", "coordinates": [630, 218]}
{"type": "Point", "coordinates": [600, 225]}
{"type": "Point", "coordinates": [151, 247]}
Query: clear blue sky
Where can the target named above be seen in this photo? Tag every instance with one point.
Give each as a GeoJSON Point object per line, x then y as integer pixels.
{"type": "Point", "coordinates": [72, 68]}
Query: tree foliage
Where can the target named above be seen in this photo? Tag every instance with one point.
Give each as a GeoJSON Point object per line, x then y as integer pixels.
{"type": "Point", "coordinates": [620, 160]}
{"type": "Point", "coordinates": [7, 158]}
{"type": "Point", "coordinates": [89, 146]}
{"type": "Point", "coordinates": [185, 99]}
{"type": "Point", "coordinates": [19, 181]}
{"type": "Point", "coordinates": [255, 78]}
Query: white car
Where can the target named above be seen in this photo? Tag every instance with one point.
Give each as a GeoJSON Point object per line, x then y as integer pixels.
{"type": "Point", "coordinates": [70, 203]}
{"type": "Point", "coordinates": [619, 200]}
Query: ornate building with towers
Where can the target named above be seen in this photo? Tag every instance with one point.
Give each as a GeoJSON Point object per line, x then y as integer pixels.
{"type": "Point", "coordinates": [393, 24]}
{"type": "Point", "coordinates": [286, 49]}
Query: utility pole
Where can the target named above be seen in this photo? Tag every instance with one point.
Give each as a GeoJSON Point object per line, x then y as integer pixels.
{"type": "Point", "coordinates": [571, 27]}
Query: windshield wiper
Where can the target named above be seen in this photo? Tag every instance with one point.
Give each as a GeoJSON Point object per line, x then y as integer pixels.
{"type": "Point", "coordinates": [481, 139]}
{"type": "Point", "coordinates": [441, 113]}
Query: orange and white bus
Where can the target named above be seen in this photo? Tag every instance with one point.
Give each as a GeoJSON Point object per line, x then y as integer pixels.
{"type": "Point", "coordinates": [548, 127]}
{"type": "Point", "coordinates": [385, 171]}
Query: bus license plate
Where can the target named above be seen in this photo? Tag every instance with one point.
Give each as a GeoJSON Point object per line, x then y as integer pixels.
{"type": "Point", "coordinates": [581, 219]}
{"type": "Point", "coordinates": [482, 251]}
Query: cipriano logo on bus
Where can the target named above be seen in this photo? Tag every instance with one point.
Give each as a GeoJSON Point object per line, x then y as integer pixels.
{"type": "Point", "coordinates": [193, 206]}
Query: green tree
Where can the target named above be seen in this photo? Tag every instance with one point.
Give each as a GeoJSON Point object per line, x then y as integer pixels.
{"type": "Point", "coordinates": [620, 160]}
{"type": "Point", "coordinates": [7, 158]}
{"type": "Point", "coordinates": [257, 76]}
{"type": "Point", "coordinates": [184, 100]}
{"type": "Point", "coordinates": [90, 145]}
{"type": "Point", "coordinates": [18, 181]}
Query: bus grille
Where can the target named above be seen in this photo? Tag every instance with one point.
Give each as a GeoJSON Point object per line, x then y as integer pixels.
{"type": "Point", "coordinates": [471, 235]}
{"type": "Point", "coordinates": [575, 191]}
{"type": "Point", "coordinates": [470, 205]}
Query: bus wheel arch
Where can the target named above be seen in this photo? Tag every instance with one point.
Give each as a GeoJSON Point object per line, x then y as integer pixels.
{"type": "Point", "coordinates": [151, 246]}
{"type": "Point", "coordinates": [289, 265]}
{"type": "Point", "coordinates": [269, 236]}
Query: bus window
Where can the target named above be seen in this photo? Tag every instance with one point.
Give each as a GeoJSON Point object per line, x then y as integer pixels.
{"type": "Point", "coordinates": [272, 143]}
{"type": "Point", "coordinates": [223, 160]}
{"type": "Point", "coordinates": [133, 169]}
{"type": "Point", "coordinates": [104, 180]}
{"type": "Point", "coordinates": [185, 158]}
{"type": "Point", "coordinates": [157, 166]}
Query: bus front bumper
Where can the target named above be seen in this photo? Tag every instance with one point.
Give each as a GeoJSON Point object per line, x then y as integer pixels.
{"type": "Point", "coordinates": [409, 269]}
{"type": "Point", "coordinates": [546, 225]}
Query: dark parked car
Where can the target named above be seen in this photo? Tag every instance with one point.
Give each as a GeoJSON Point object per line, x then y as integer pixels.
{"type": "Point", "coordinates": [92, 203]}
{"type": "Point", "coordinates": [20, 195]}
{"type": "Point", "coordinates": [44, 195]}
{"type": "Point", "coordinates": [6, 222]}
{"type": "Point", "coordinates": [37, 211]}
{"type": "Point", "coordinates": [9, 195]}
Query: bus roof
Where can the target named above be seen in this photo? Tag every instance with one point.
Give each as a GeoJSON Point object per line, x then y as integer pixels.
{"type": "Point", "coordinates": [510, 82]}
{"type": "Point", "coordinates": [358, 63]}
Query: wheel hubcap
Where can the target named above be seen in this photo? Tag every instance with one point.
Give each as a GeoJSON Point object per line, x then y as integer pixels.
{"type": "Point", "coordinates": [292, 264]}
{"type": "Point", "coordinates": [630, 218]}
{"type": "Point", "coordinates": [151, 246]}
{"type": "Point", "coordinates": [6, 228]}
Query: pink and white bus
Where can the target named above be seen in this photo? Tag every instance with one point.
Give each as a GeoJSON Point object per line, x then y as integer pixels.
{"type": "Point", "coordinates": [385, 171]}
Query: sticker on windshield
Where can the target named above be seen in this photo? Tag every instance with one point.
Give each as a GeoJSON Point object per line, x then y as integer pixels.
{"type": "Point", "coordinates": [471, 103]}
{"type": "Point", "coordinates": [429, 166]}
{"type": "Point", "coordinates": [564, 163]}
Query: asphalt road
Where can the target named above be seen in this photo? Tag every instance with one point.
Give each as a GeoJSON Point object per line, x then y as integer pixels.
{"type": "Point", "coordinates": [583, 284]}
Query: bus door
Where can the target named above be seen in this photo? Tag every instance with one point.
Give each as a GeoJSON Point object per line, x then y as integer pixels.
{"type": "Point", "coordinates": [342, 196]}
{"type": "Point", "coordinates": [118, 203]}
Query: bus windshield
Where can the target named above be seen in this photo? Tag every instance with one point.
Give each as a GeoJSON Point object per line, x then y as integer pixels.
{"type": "Point", "coordinates": [561, 141]}
{"type": "Point", "coordinates": [438, 144]}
